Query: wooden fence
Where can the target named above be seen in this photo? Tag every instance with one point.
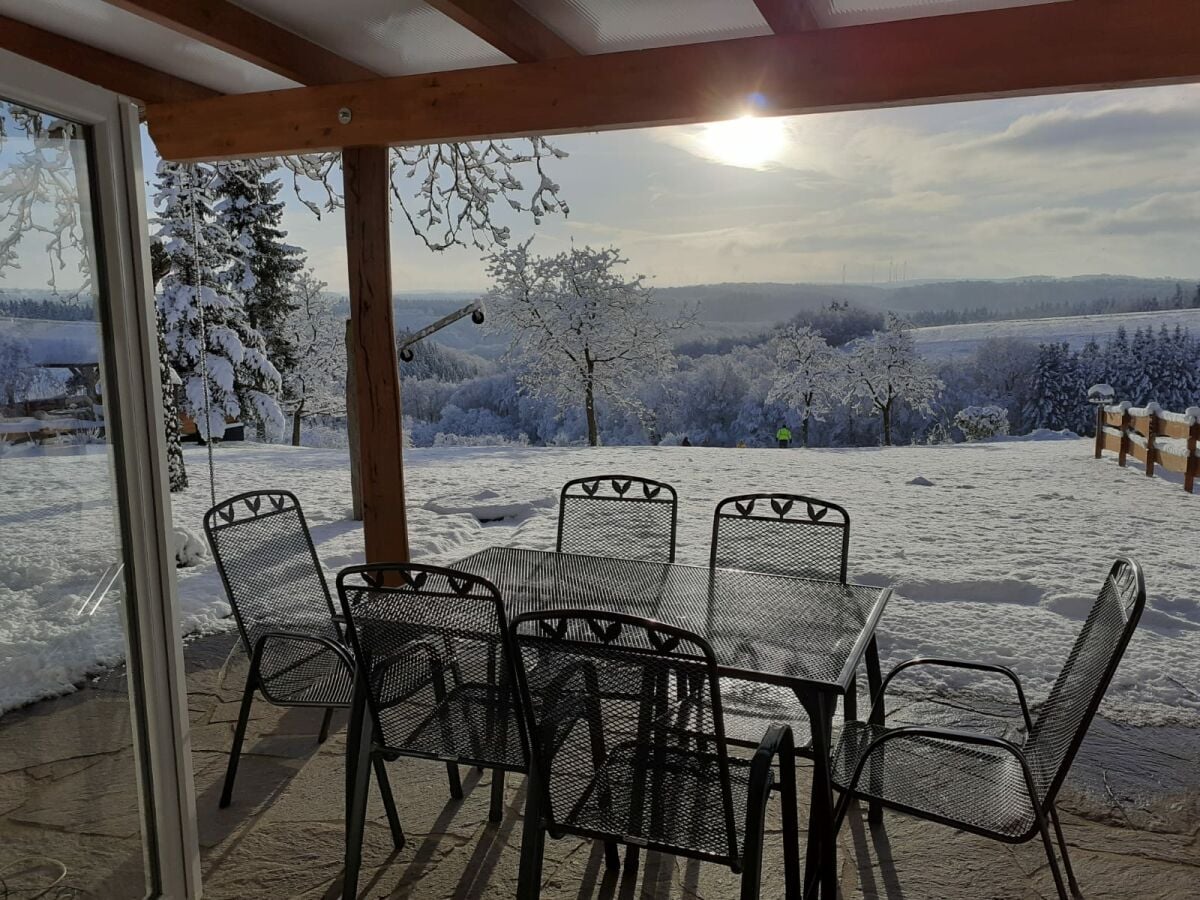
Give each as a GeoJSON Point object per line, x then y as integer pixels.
{"type": "Point", "coordinates": [1152, 437]}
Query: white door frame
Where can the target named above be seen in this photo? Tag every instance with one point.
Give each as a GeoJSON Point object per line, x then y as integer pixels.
{"type": "Point", "coordinates": [158, 693]}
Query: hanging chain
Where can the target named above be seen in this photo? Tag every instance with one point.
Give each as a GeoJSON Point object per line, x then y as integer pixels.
{"type": "Point", "coordinates": [212, 476]}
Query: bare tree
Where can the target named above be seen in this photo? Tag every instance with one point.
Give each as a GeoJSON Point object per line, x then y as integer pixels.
{"type": "Point", "coordinates": [885, 369]}
{"type": "Point", "coordinates": [585, 330]}
{"type": "Point", "coordinates": [808, 373]}
{"type": "Point", "coordinates": [313, 387]}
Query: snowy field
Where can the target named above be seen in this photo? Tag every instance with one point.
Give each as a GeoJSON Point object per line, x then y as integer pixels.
{"type": "Point", "coordinates": [998, 558]}
{"type": "Point", "coordinates": [950, 341]}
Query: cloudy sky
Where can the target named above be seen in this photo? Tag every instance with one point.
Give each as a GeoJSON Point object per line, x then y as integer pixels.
{"type": "Point", "coordinates": [1064, 185]}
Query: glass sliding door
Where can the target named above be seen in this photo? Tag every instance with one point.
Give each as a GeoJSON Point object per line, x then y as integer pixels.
{"type": "Point", "coordinates": [94, 779]}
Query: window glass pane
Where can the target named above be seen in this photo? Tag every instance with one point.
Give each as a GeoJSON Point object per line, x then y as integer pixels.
{"type": "Point", "coordinates": [71, 822]}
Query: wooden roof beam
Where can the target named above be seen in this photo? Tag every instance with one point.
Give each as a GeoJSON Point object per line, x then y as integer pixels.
{"type": "Point", "coordinates": [508, 27]}
{"type": "Point", "coordinates": [116, 73]}
{"type": "Point", "coordinates": [240, 33]}
{"type": "Point", "coordinates": [788, 16]}
{"type": "Point", "coordinates": [1050, 48]}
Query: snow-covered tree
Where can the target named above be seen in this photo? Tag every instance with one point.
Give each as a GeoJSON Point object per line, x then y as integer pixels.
{"type": "Point", "coordinates": [313, 386]}
{"type": "Point", "coordinates": [264, 264]}
{"type": "Point", "coordinates": [807, 373]}
{"type": "Point", "coordinates": [160, 265]}
{"type": "Point", "coordinates": [584, 330]}
{"type": "Point", "coordinates": [1058, 395]}
{"type": "Point", "coordinates": [220, 359]}
{"type": "Point", "coordinates": [886, 371]}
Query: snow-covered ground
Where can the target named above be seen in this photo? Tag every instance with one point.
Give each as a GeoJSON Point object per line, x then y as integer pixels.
{"type": "Point", "coordinates": [998, 557]}
{"type": "Point", "coordinates": [950, 341]}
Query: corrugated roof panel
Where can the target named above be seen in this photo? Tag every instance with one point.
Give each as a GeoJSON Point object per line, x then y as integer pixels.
{"type": "Point", "coordinates": [604, 26]}
{"type": "Point", "coordinates": [392, 37]}
{"type": "Point", "coordinates": [102, 25]}
{"type": "Point", "coordinates": [834, 13]}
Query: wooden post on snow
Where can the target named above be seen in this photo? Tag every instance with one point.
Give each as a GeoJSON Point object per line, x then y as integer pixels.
{"type": "Point", "coordinates": [366, 176]}
{"type": "Point", "coordinates": [1193, 461]}
{"type": "Point", "coordinates": [1099, 430]}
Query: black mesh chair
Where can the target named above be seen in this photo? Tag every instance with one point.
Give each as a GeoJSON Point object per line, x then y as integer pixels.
{"type": "Point", "coordinates": [282, 607]}
{"type": "Point", "coordinates": [785, 534]}
{"type": "Point", "coordinates": [618, 515]}
{"type": "Point", "coordinates": [281, 603]}
{"type": "Point", "coordinates": [639, 762]}
{"type": "Point", "coordinates": [988, 785]}
{"type": "Point", "coordinates": [435, 660]}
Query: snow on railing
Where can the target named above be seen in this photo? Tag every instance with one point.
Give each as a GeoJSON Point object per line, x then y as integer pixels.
{"type": "Point", "coordinates": [1152, 436]}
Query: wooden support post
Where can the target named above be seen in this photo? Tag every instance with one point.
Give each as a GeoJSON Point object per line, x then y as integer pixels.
{"type": "Point", "coordinates": [1123, 453]}
{"type": "Point", "coordinates": [1151, 431]}
{"type": "Point", "coordinates": [1193, 461]}
{"type": "Point", "coordinates": [1099, 430]}
{"type": "Point", "coordinates": [366, 180]}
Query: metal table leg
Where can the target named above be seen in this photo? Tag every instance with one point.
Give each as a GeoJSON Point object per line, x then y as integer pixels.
{"type": "Point", "coordinates": [820, 864]}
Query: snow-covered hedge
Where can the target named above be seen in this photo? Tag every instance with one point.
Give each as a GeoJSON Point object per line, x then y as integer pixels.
{"type": "Point", "coordinates": [978, 423]}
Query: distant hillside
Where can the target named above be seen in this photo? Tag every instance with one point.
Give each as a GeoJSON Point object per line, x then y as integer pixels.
{"type": "Point", "coordinates": [950, 341]}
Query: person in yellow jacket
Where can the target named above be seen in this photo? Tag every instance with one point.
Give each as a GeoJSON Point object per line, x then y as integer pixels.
{"type": "Point", "coordinates": [784, 435]}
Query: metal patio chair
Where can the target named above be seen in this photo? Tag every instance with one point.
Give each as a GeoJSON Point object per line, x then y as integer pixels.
{"type": "Point", "coordinates": [435, 662]}
{"type": "Point", "coordinates": [285, 616]}
{"type": "Point", "coordinates": [618, 515]}
{"type": "Point", "coordinates": [640, 763]}
{"type": "Point", "coordinates": [784, 534]}
{"type": "Point", "coordinates": [987, 785]}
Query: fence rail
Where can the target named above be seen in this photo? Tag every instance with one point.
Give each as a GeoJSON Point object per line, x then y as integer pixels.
{"type": "Point", "coordinates": [1153, 437]}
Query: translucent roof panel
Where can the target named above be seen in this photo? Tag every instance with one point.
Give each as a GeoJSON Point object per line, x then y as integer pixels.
{"type": "Point", "coordinates": [834, 13]}
{"type": "Point", "coordinates": [103, 25]}
{"type": "Point", "coordinates": [392, 37]}
{"type": "Point", "coordinates": [603, 26]}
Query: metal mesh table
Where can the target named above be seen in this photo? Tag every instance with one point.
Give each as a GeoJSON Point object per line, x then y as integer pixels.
{"type": "Point", "coordinates": [798, 633]}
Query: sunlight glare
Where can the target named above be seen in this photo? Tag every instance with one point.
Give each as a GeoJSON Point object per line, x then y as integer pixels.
{"type": "Point", "coordinates": [749, 142]}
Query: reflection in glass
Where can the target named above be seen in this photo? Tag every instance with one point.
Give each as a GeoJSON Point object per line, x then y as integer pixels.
{"type": "Point", "coordinates": [70, 811]}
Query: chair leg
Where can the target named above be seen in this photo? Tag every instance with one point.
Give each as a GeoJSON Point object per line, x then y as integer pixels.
{"type": "Point", "coordinates": [1049, 845]}
{"type": "Point", "coordinates": [356, 820]}
{"type": "Point", "coordinates": [389, 803]}
{"type": "Point", "coordinates": [323, 734]}
{"type": "Point", "coordinates": [456, 791]}
{"type": "Point", "coordinates": [239, 736]}
{"type": "Point", "coordinates": [496, 813]}
{"type": "Point", "coordinates": [793, 887]}
{"type": "Point", "coordinates": [1066, 857]}
{"type": "Point", "coordinates": [878, 717]}
{"type": "Point", "coordinates": [533, 844]}
{"type": "Point", "coordinates": [612, 856]}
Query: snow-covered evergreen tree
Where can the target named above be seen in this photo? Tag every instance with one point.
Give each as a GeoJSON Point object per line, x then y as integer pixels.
{"type": "Point", "coordinates": [583, 329]}
{"type": "Point", "coordinates": [807, 373]}
{"type": "Point", "coordinates": [160, 265]}
{"type": "Point", "coordinates": [264, 265]}
{"type": "Point", "coordinates": [886, 371]}
{"type": "Point", "coordinates": [1058, 396]}
{"type": "Point", "coordinates": [220, 359]}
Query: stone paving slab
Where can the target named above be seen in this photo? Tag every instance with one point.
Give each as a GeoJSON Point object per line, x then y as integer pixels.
{"type": "Point", "coordinates": [1130, 814]}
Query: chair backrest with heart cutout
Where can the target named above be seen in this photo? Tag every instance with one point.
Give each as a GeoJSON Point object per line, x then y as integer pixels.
{"type": "Point", "coordinates": [434, 649]}
{"type": "Point", "coordinates": [623, 516]}
{"type": "Point", "coordinates": [785, 534]}
{"type": "Point", "coordinates": [267, 562]}
{"type": "Point", "coordinates": [625, 724]}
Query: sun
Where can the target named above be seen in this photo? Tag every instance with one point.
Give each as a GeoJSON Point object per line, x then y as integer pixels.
{"type": "Point", "coordinates": [749, 142]}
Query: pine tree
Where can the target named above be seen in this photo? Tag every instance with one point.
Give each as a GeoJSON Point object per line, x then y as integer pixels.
{"type": "Point", "coordinates": [1057, 396]}
{"type": "Point", "coordinates": [200, 309]}
{"type": "Point", "coordinates": [265, 267]}
{"type": "Point", "coordinates": [160, 265]}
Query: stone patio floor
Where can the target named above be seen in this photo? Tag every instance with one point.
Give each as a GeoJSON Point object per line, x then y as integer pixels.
{"type": "Point", "coordinates": [1131, 812]}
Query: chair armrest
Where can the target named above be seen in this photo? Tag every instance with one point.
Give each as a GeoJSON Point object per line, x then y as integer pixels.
{"type": "Point", "coordinates": [952, 735]}
{"type": "Point", "coordinates": [969, 665]}
{"type": "Point", "coordinates": [300, 637]}
{"type": "Point", "coordinates": [777, 744]}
